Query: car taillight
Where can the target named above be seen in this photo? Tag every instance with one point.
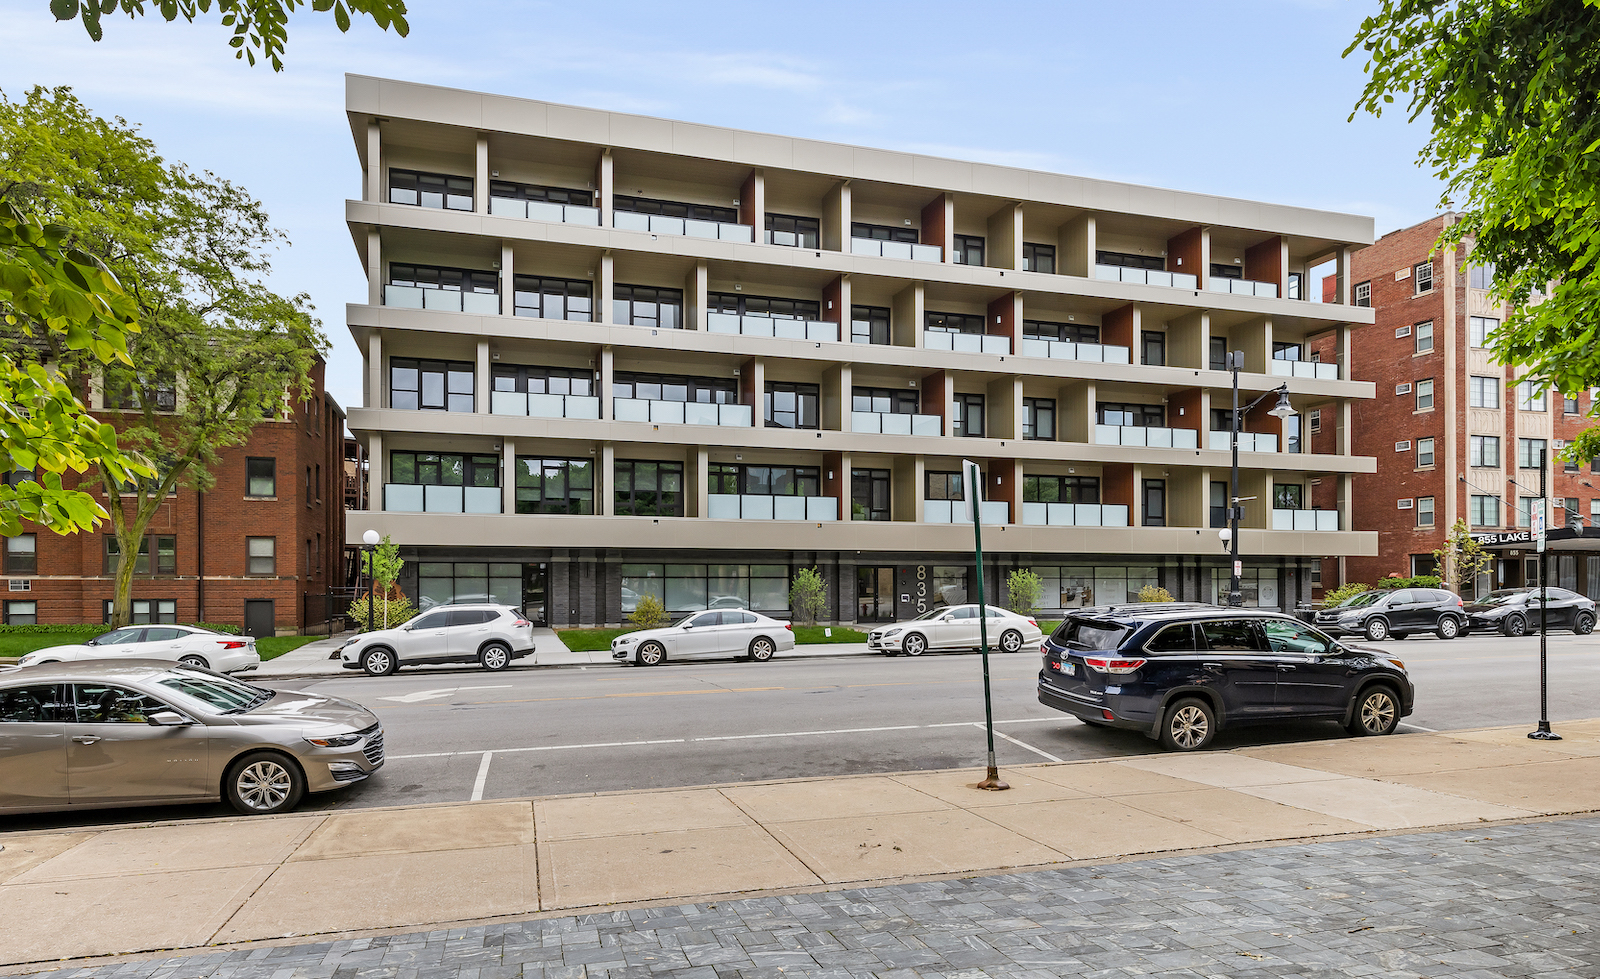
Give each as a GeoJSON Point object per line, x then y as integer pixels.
{"type": "Point", "coordinates": [1458, 600]}
{"type": "Point", "coordinates": [522, 623]}
{"type": "Point", "coordinates": [1034, 623]}
{"type": "Point", "coordinates": [1102, 664]}
{"type": "Point", "coordinates": [231, 643]}
{"type": "Point", "coordinates": [789, 626]}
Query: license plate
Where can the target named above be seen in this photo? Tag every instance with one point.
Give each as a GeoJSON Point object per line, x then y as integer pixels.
{"type": "Point", "coordinates": [1067, 669]}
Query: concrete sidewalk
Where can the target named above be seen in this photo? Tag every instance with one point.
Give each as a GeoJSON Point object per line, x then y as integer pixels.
{"type": "Point", "coordinates": [194, 883]}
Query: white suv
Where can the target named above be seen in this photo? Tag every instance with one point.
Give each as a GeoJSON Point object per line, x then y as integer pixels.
{"type": "Point", "coordinates": [489, 635]}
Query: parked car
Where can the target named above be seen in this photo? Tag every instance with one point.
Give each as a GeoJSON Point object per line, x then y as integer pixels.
{"type": "Point", "coordinates": [1395, 614]}
{"type": "Point", "coordinates": [956, 627]}
{"type": "Point", "coordinates": [1516, 611]}
{"type": "Point", "coordinates": [93, 734]}
{"type": "Point", "coordinates": [174, 643]}
{"type": "Point", "coordinates": [1181, 675]}
{"type": "Point", "coordinates": [706, 635]}
{"type": "Point", "coordinates": [489, 635]}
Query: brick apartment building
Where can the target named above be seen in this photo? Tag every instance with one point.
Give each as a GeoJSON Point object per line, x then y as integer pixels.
{"type": "Point", "coordinates": [247, 552]}
{"type": "Point", "coordinates": [1455, 434]}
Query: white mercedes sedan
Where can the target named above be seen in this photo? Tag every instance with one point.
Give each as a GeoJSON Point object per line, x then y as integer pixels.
{"type": "Point", "coordinates": [956, 627]}
{"type": "Point", "coordinates": [174, 643]}
{"type": "Point", "coordinates": [718, 633]}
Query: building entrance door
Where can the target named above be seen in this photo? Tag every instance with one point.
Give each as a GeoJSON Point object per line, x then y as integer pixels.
{"type": "Point", "coordinates": [259, 620]}
{"type": "Point", "coordinates": [875, 595]}
{"type": "Point", "coordinates": [533, 594]}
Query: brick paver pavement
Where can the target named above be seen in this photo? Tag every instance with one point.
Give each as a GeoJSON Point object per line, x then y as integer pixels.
{"type": "Point", "coordinates": [1513, 901]}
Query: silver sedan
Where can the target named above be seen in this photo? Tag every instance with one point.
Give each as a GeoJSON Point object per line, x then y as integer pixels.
{"type": "Point", "coordinates": [718, 633]}
{"type": "Point", "coordinates": [143, 732]}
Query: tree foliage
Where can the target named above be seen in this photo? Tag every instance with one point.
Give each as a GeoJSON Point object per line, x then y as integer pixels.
{"type": "Point", "coordinates": [648, 613]}
{"type": "Point", "coordinates": [388, 611]}
{"type": "Point", "coordinates": [259, 26]}
{"type": "Point", "coordinates": [1023, 591]}
{"type": "Point", "coordinates": [808, 596]}
{"type": "Point", "coordinates": [386, 564]}
{"type": "Point", "coordinates": [1462, 558]}
{"type": "Point", "coordinates": [1342, 594]}
{"type": "Point", "coordinates": [1155, 593]}
{"type": "Point", "coordinates": [1512, 91]}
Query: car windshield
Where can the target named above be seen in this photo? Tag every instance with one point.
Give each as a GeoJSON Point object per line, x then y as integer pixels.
{"type": "Point", "coordinates": [1505, 596]}
{"type": "Point", "coordinates": [1090, 634]}
{"type": "Point", "coordinates": [219, 693]}
{"type": "Point", "coordinates": [1363, 599]}
{"type": "Point", "coordinates": [930, 613]}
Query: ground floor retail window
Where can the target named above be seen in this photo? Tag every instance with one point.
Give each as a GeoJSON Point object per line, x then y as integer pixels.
{"type": "Point", "coordinates": [1082, 586]}
{"type": "Point", "coordinates": [1593, 568]}
{"type": "Point", "coordinates": [22, 613]}
{"type": "Point", "coordinates": [440, 583]}
{"type": "Point", "coordinates": [147, 611]}
{"type": "Point", "coordinates": [1258, 587]}
{"type": "Point", "coordinates": [692, 587]}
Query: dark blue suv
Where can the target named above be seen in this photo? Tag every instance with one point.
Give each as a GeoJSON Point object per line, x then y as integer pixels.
{"type": "Point", "coordinates": [1180, 673]}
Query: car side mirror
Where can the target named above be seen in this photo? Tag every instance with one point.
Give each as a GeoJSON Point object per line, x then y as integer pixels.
{"type": "Point", "coordinates": [167, 718]}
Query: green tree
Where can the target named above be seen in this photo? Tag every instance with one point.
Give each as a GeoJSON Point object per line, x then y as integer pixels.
{"type": "Point", "coordinates": [1155, 593]}
{"type": "Point", "coordinates": [808, 596]}
{"type": "Point", "coordinates": [1510, 88]}
{"type": "Point", "coordinates": [217, 352]}
{"type": "Point", "coordinates": [1462, 558]}
{"type": "Point", "coordinates": [386, 565]}
{"type": "Point", "coordinates": [648, 613]}
{"type": "Point", "coordinates": [1023, 591]}
{"type": "Point", "coordinates": [258, 25]}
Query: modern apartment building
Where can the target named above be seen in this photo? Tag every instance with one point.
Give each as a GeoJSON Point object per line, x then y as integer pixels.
{"type": "Point", "coordinates": [1455, 434]}
{"type": "Point", "coordinates": [610, 355]}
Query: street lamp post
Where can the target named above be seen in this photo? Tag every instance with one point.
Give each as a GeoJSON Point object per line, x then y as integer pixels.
{"type": "Point", "coordinates": [1282, 409]}
{"type": "Point", "coordinates": [370, 539]}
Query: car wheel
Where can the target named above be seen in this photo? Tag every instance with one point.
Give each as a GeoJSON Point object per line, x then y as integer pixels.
{"type": "Point", "coordinates": [1377, 629]}
{"type": "Point", "coordinates": [495, 657]}
{"type": "Point", "coordinates": [914, 644]}
{"type": "Point", "coordinates": [1448, 628]}
{"type": "Point", "coordinates": [1190, 725]}
{"type": "Point", "coordinates": [262, 783]}
{"type": "Point", "coordinates": [761, 649]}
{"type": "Point", "coordinates": [1584, 625]}
{"type": "Point", "coordinates": [379, 662]}
{"type": "Point", "coordinates": [1376, 713]}
{"type": "Point", "coordinates": [650, 654]}
{"type": "Point", "coordinates": [193, 660]}
{"type": "Point", "coordinates": [1514, 625]}
{"type": "Point", "coordinates": [1011, 641]}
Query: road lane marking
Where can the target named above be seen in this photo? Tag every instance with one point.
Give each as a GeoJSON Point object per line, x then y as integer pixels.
{"type": "Point", "coordinates": [1047, 756]}
{"type": "Point", "coordinates": [680, 693]}
{"type": "Point", "coordinates": [802, 734]}
{"type": "Point", "coordinates": [418, 696]}
{"type": "Point", "coordinates": [1417, 727]}
{"type": "Point", "coordinates": [483, 776]}
{"type": "Point", "coordinates": [543, 747]}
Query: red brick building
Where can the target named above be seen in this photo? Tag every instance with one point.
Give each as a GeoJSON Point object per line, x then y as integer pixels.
{"type": "Point", "coordinates": [247, 552]}
{"type": "Point", "coordinates": [1456, 435]}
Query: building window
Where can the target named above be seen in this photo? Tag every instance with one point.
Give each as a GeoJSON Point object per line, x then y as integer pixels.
{"type": "Point", "coordinates": [1481, 276]}
{"type": "Point", "coordinates": [1039, 419]}
{"type": "Point", "coordinates": [1529, 399]}
{"type": "Point", "coordinates": [446, 279]}
{"type": "Point", "coordinates": [647, 306]}
{"type": "Point", "coordinates": [869, 324]}
{"type": "Point", "coordinates": [513, 378]}
{"type": "Point", "coordinates": [22, 554]}
{"type": "Point", "coordinates": [769, 306]}
{"type": "Point", "coordinates": [1296, 286]}
{"type": "Point", "coordinates": [533, 192]}
{"type": "Point", "coordinates": [676, 387]}
{"type": "Point", "coordinates": [1425, 395]}
{"type": "Point", "coordinates": [1530, 453]}
{"type": "Point", "coordinates": [793, 230]}
{"type": "Point", "coordinates": [431, 385]}
{"type": "Point", "coordinates": [1422, 275]}
{"type": "Point", "coordinates": [791, 405]}
{"type": "Point", "coordinates": [22, 613]}
{"type": "Point", "coordinates": [1142, 416]}
{"type": "Point", "coordinates": [1424, 453]}
{"type": "Point", "coordinates": [162, 611]}
{"type": "Point", "coordinates": [164, 546]}
{"type": "Point", "coordinates": [743, 480]}
{"type": "Point", "coordinates": [1131, 261]}
{"type": "Point", "coordinates": [882, 232]}
{"type": "Point", "coordinates": [1484, 451]}
{"type": "Point", "coordinates": [969, 250]}
{"type": "Point", "coordinates": [1155, 503]}
{"type": "Point", "coordinates": [1292, 442]}
{"type": "Point", "coordinates": [1484, 511]}
{"type": "Point", "coordinates": [439, 190]}
{"type": "Point", "coordinates": [1403, 446]}
{"type": "Point", "coordinates": [443, 469]}
{"type": "Point", "coordinates": [1424, 511]}
{"type": "Point", "coordinates": [440, 583]}
{"type": "Point", "coordinates": [554, 485]}
{"type": "Point", "coordinates": [310, 487]}
{"type": "Point", "coordinates": [943, 486]}
{"type": "Point", "coordinates": [552, 299]}
{"type": "Point", "coordinates": [691, 587]}
{"type": "Point", "coordinates": [1219, 504]}
{"type": "Point", "coordinates": [1220, 271]}
{"type": "Point", "coordinates": [125, 391]}
{"type": "Point", "coordinates": [1594, 512]}
{"type": "Point", "coordinates": [869, 494]}
{"type": "Point", "coordinates": [1288, 496]}
{"type": "Point", "coordinates": [1479, 329]}
{"type": "Point", "coordinates": [676, 209]}
{"type": "Point", "coordinates": [1424, 337]}
{"type": "Point", "coordinates": [1573, 518]}
{"type": "Point", "coordinates": [648, 489]}
{"type": "Point", "coordinates": [261, 555]}
{"type": "Point", "coordinates": [1483, 392]}
{"type": "Point", "coordinates": [954, 322]}
{"type": "Point", "coordinates": [968, 419]}
{"type": "Point", "coordinates": [1314, 421]}
{"type": "Point", "coordinates": [1038, 258]}
{"type": "Point", "coordinates": [884, 401]}
{"type": "Point", "coordinates": [1285, 350]}
{"type": "Point", "coordinates": [1071, 332]}
{"type": "Point", "coordinates": [1219, 353]}
{"type": "Point", "coordinates": [1526, 507]}
{"type": "Point", "coordinates": [1060, 489]}
{"type": "Point", "coordinates": [1569, 404]}
{"type": "Point", "coordinates": [1153, 349]}
{"type": "Point", "coordinates": [1364, 294]}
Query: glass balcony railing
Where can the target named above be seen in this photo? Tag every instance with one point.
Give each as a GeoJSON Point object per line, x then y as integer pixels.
{"type": "Point", "coordinates": [1248, 442]}
{"type": "Point", "coordinates": [681, 412]}
{"type": "Point", "coordinates": [994, 512]}
{"type": "Point", "coordinates": [414, 498]}
{"type": "Point", "coordinates": [450, 300]}
{"type": "Point", "coordinates": [1305, 368]}
{"type": "Point", "coordinates": [544, 405]}
{"type": "Point", "coordinates": [971, 343]}
{"type": "Point", "coordinates": [772, 326]}
{"type": "Point", "coordinates": [727, 506]}
{"type": "Point", "coordinates": [889, 423]}
{"type": "Point", "coordinates": [1155, 438]}
{"type": "Point", "coordinates": [688, 227]}
{"type": "Point", "coordinates": [1317, 520]}
{"type": "Point", "coordinates": [1075, 514]}
{"type": "Point", "coordinates": [896, 249]}
{"type": "Point", "coordinates": [1146, 277]}
{"type": "Point", "coordinates": [544, 211]}
{"type": "Point", "coordinates": [1244, 287]}
{"type": "Point", "coordinates": [1068, 350]}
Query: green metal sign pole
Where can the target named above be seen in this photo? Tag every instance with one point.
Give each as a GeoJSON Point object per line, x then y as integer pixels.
{"type": "Point", "coordinates": [991, 781]}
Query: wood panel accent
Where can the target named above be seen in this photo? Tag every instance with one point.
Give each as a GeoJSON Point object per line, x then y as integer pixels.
{"type": "Point", "coordinates": [1193, 416]}
{"type": "Point", "coordinates": [1005, 317]}
{"type": "Point", "coordinates": [1120, 327]}
{"type": "Point", "coordinates": [1186, 252]}
{"type": "Point", "coordinates": [1267, 261]}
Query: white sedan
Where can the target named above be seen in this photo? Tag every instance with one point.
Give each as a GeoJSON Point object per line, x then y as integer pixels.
{"type": "Point", "coordinates": [174, 643]}
{"type": "Point", "coordinates": [706, 635]}
{"type": "Point", "coordinates": [956, 627]}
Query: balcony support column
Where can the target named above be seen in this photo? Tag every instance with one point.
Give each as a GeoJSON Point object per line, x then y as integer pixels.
{"type": "Point", "coordinates": [508, 280]}
{"type": "Point", "coordinates": [1004, 247]}
{"type": "Point", "coordinates": [1189, 341]}
{"type": "Point", "coordinates": [1003, 404]}
{"type": "Point", "coordinates": [605, 479]}
{"type": "Point", "coordinates": [604, 184]}
{"type": "Point", "coordinates": [508, 475]}
{"type": "Point", "coordinates": [605, 288]}
{"type": "Point", "coordinates": [1075, 246]}
{"type": "Point", "coordinates": [753, 203]}
{"type": "Point", "coordinates": [1255, 339]}
{"type": "Point", "coordinates": [374, 395]}
{"type": "Point", "coordinates": [377, 472]}
{"type": "Point", "coordinates": [481, 397]}
{"type": "Point", "coordinates": [695, 289]}
{"type": "Point", "coordinates": [374, 268]}
{"type": "Point", "coordinates": [836, 218]}
{"type": "Point", "coordinates": [753, 389]}
{"type": "Point", "coordinates": [906, 316]}
{"type": "Point", "coordinates": [837, 398]}
{"type": "Point", "coordinates": [374, 182]}
{"type": "Point", "coordinates": [1342, 295]}
{"type": "Point", "coordinates": [1075, 406]}
{"type": "Point", "coordinates": [836, 480]}
{"type": "Point", "coordinates": [480, 186]}
{"type": "Point", "coordinates": [605, 382]}
{"type": "Point", "coordinates": [938, 395]}
{"type": "Point", "coordinates": [907, 487]}
{"type": "Point", "coordinates": [699, 463]}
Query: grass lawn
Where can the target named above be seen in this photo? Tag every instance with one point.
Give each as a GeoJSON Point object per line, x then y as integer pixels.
{"type": "Point", "coordinates": [17, 644]}
{"type": "Point", "coordinates": [272, 648]}
{"type": "Point", "coordinates": [586, 640]}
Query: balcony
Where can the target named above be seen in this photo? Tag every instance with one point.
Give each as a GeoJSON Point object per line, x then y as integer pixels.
{"type": "Point", "coordinates": [1075, 514]}
{"type": "Point", "coordinates": [890, 423]}
{"type": "Point", "coordinates": [1146, 277]}
{"type": "Point", "coordinates": [972, 343]}
{"type": "Point", "coordinates": [1067, 350]}
{"type": "Point", "coordinates": [1245, 287]}
{"type": "Point", "coordinates": [688, 227]}
{"type": "Point", "coordinates": [727, 506]}
{"type": "Point", "coordinates": [1316, 520]}
{"type": "Point", "coordinates": [681, 412]}
{"type": "Point", "coordinates": [1248, 442]}
{"type": "Point", "coordinates": [1304, 368]}
{"type": "Point", "coordinates": [994, 512]}
{"type": "Point", "coordinates": [770, 326]}
{"type": "Point", "coordinates": [896, 249]}
{"type": "Point", "coordinates": [449, 300]}
{"type": "Point", "coordinates": [414, 498]}
{"type": "Point", "coordinates": [544, 405]}
{"type": "Point", "coordinates": [1155, 438]}
{"type": "Point", "coordinates": [507, 207]}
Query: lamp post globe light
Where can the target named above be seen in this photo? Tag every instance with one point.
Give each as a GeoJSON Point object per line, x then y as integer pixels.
{"type": "Point", "coordinates": [1230, 534]}
{"type": "Point", "coordinates": [370, 539]}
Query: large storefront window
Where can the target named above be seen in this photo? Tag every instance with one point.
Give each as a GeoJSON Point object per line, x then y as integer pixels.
{"type": "Point", "coordinates": [692, 587]}
{"type": "Point", "coordinates": [1082, 586]}
{"type": "Point", "coordinates": [442, 583]}
{"type": "Point", "coordinates": [1257, 586]}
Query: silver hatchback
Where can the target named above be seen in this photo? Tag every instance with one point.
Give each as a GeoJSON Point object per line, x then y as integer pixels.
{"type": "Point", "coordinates": [143, 732]}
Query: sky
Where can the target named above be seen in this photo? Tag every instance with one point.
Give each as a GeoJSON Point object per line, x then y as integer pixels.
{"type": "Point", "coordinates": [1243, 98]}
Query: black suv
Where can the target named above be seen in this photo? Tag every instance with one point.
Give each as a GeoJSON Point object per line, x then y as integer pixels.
{"type": "Point", "coordinates": [1180, 674]}
{"type": "Point", "coordinates": [1395, 613]}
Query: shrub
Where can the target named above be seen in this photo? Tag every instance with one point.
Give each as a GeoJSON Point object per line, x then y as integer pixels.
{"type": "Point", "coordinates": [386, 613]}
{"type": "Point", "coordinates": [1023, 590]}
{"type": "Point", "coordinates": [1155, 593]}
{"type": "Point", "coordinates": [53, 630]}
{"type": "Point", "coordinates": [1417, 581]}
{"type": "Point", "coordinates": [223, 627]}
{"type": "Point", "coordinates": [1343, 593]}
{"type": "Point", "coordinates": [649, 613]}
{"type": "Point", "coordinates": [808, 596]}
